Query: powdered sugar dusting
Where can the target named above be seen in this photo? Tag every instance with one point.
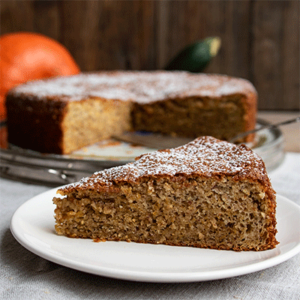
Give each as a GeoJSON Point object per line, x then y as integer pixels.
{"type": "Point", "coordinates": [204, 156]}
{"type": "Point", "coordinates": [141, 87]}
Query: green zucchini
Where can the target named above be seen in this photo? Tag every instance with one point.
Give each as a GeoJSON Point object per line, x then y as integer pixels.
{"type": "Point", "coordinates": [195, 57]}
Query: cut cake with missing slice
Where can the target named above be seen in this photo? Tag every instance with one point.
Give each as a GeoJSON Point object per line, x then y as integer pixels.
{"type": "Point", "coordinates": [208, 193]}
{"type": "Point", "coordinates": [78, 111]}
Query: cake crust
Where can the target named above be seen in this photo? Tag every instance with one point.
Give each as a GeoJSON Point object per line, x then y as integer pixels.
{"type": "Point", "coordinates": [35, 123]}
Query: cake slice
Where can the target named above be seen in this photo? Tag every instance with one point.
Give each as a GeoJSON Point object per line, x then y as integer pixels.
{"type": "Point", "coordinates": [208, 193]}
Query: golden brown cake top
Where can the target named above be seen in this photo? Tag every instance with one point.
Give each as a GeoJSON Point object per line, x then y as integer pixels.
{"type": "Point", "coordinates": [205, 156]}
{"type": "Point", "coordinates": [142, 87]}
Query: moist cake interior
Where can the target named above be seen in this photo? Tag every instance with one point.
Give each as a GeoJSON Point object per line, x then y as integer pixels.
{"type": "Point", "coordinates": [187, 211]}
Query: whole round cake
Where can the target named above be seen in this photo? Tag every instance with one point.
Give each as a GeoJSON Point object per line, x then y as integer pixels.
{"type": "Point", "coordinates": [63, 114]}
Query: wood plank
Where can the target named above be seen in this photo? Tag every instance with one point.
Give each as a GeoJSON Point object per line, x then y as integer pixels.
{"type": "Point", "coordinates": [275, 65]}
{"type": "Point", "coordinates": [79, 27]}
{"type": "Point", "coordinates": [46, 18]}
{"type": "Point", "coordinates": [232, 22]}
{"type": "Point", "coordinates": [31, 15]}
{"type": "Point", "coordinates": [183, 22]}
{"type": "Point", "coordinates": [178, 24]}
{"type": "Point", "coordinates": [120, 37]}
{"type": "Point", "coordinates": [291, 56]}
{"type": "Point", "coordinates": [16, 16]}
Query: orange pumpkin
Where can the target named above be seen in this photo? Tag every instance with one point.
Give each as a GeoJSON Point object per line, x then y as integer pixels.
{"type": "Point", "coordinates": [27, 56]}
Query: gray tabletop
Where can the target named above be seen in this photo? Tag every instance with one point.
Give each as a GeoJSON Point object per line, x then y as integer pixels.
{"type": "Point", "coordinates": [24, 275]}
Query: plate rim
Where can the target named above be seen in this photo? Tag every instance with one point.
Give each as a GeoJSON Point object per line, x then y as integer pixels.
{"type": "Point", "coordinates": [145, 276]}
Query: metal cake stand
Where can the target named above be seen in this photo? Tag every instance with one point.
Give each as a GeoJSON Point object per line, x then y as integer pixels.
{"type": "Point", "coordinates": [53, 170]}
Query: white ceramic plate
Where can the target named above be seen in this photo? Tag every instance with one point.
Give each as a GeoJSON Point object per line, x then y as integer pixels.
{"type": "Point", "coordinates": [33, 227]}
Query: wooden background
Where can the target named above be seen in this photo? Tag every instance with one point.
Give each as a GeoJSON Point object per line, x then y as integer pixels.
{"type": "Point", "coordinates": [260, 39]}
